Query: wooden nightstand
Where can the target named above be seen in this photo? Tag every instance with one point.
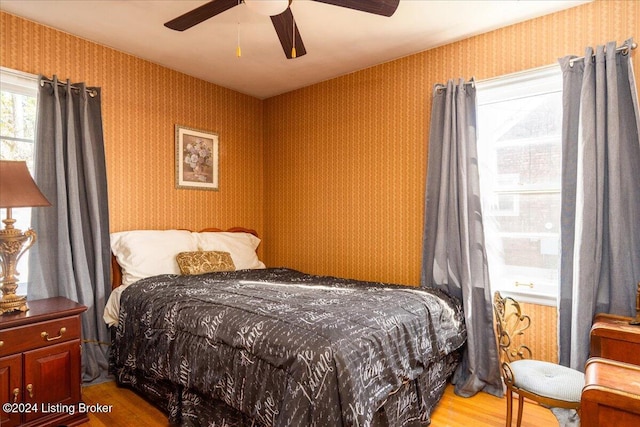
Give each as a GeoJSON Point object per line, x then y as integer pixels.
{"type": "Point", "coordinates": [40, 364]}
{"type": "Point", "coordinates": [612, 337]}
{"type": "Point", "coordinates": [611, 395]}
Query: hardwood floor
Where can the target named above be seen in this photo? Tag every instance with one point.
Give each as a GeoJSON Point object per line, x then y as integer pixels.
{"type": "Point", "coordinates": [485, 410]}
{"type": "Point", "coordinates": [482, 410]}
{"type": "Point", "coordinates": [128, 409]}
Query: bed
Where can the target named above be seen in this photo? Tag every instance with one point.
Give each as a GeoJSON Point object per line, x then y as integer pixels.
{"type": "Point", "coordinates": [238, 344]}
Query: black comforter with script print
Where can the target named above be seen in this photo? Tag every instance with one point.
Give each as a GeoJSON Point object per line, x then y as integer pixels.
{"type": "Point", "coordinates": [282, 347]}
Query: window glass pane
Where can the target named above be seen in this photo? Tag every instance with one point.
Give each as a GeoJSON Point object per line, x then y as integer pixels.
{"type": "Point", "coordinates": [519, 146]}
{"type": "Point", "coordinates": [529, 164]}
{"type": "Point", "coordinates": [17, 150]}
{"type": "Point", "coordinates": [18, 115]}
{"type": "Point", "coordinates": [535, 213]}
{"type": "Point", "coordinates": [530, 117]}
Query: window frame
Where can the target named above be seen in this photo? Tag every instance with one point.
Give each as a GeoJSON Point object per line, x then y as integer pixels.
{"type": "Point", "coordinates": [500, 89]}
{"type": "Point", "coordinates": [25, 84]}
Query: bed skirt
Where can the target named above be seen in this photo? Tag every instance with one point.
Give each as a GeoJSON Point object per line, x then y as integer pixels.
{"type": "Point", "coordinates": [409, 406]}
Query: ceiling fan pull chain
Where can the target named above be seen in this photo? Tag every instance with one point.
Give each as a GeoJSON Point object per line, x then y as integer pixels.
{"type": "Point", "coordinates": [238, 50]}
{"type": "Point", "coordinates": [293, 38]}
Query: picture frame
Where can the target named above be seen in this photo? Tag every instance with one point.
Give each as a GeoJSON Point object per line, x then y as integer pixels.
{"type": "Point", "coordinates": [196, 158]}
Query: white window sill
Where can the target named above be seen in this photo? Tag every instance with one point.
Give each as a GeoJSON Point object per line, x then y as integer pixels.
{"type": "Point", "coordinates": [531, 297]}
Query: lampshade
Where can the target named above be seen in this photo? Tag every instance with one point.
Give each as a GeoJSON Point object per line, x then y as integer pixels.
{"type": "Point", "coordinates": [17, 188]}
{"type": "Point", "coordinates": [268, 7]}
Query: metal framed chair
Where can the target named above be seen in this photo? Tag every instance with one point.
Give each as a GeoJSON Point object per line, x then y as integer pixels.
{"type": "Point", "coordinates": [549, 384]}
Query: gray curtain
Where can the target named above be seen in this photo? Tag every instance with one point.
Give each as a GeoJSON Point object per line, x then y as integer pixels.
{"type": "Point", "coordinates": [72, 257]}
{"type": "Point", "coordinates": [454, 255]}
{"type": "Point", "coordinates": [600, 229]}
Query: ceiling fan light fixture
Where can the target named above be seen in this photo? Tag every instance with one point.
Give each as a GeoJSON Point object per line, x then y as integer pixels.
{"type": "Point", "coordinates": [267, 7]}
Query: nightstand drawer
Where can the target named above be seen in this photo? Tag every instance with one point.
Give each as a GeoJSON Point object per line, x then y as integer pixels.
{"type": "Point", "coordinates": [40, 362]}
{"type": "Point", "coordinates": [29, 337]}
{"type": "Point", "coordinates": [612, 337]}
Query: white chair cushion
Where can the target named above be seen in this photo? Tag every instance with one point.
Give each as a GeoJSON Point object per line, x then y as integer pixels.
{"type": "Point", "coordinates": [548, 379]}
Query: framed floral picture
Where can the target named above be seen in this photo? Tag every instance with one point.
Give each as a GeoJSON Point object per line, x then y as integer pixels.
{"type": "Point", "coordinates": [196, 159]}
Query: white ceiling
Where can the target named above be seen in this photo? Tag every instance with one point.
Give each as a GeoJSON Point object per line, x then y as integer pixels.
{"type": "Point", "coordinates": [338, 40]}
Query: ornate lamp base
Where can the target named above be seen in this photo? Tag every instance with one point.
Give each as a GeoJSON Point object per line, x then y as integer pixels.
{"type": "Point", "coordinates": [12, 247]}
{"type": "Point", "coordinates": [11, 303]}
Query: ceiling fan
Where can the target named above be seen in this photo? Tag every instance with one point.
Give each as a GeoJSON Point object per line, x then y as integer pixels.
{"type": "Point", "coordinates": [283, 21]}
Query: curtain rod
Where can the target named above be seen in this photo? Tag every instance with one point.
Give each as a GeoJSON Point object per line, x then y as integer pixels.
{"type": "Point", "coordinates": [92, 92]}
{"type": "Point", "coordinates": [625, 49]}
{"type": "Point", "coordinates": [440, 86]}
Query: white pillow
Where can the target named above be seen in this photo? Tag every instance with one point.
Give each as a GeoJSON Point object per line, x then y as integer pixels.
{"type": "Point", "coordinates": [241, 246]}
{"type": "Point", "coordinates": [145, 253]}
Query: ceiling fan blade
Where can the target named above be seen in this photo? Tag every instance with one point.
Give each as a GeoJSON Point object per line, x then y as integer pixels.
{"type": "Point", "coordinates": [379, 7]}
{"type": "Point", "coordinates": [284, 26]}
{"type": "Point", "coordinates": [200, 14]}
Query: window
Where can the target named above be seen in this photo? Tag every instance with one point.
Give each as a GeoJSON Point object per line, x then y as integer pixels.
{"type": "Point", "coordinates": [519, 151]}
{"type": "Point", "coordinates": [18, 96]}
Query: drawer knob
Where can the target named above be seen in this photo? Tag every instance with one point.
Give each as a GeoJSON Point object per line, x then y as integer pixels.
{"type": "Point", "coordinates": [45, 335]}
{"type": "Point", "coordinates": [30, 390]}
{"type": "Point", "coordinates": [1, 343]}
{"type": "Point", "coordinates": [16, 393]}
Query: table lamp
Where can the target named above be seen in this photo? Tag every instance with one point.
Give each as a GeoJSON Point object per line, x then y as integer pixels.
{"type": "Point", "coordinates": [17, 190]}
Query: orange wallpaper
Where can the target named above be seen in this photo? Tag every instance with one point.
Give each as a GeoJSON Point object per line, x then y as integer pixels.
{"type": "Point", "coordinates": [542, 337]}
{"type": "Point", "coordinates": [332, 175]}
{"type": "Point", "coordinates": [141, 103]}
{"type": "Point", "coordinates": [345, 160]}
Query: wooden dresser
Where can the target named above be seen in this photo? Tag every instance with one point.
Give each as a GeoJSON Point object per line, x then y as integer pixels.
{"type": "Point", "coordinates": [611, 395]}
{"type": "Point", "coordinates": [612, 337]}
{"type": "Point", "coordinates": [40, 363]}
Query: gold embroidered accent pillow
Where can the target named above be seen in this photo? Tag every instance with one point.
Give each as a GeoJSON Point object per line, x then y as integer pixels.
{"type": "Point", "coordinates": [200, 262]}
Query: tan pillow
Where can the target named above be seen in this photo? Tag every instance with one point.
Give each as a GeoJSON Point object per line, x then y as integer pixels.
{"type": "Point", "coordinates": [200, 262]}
